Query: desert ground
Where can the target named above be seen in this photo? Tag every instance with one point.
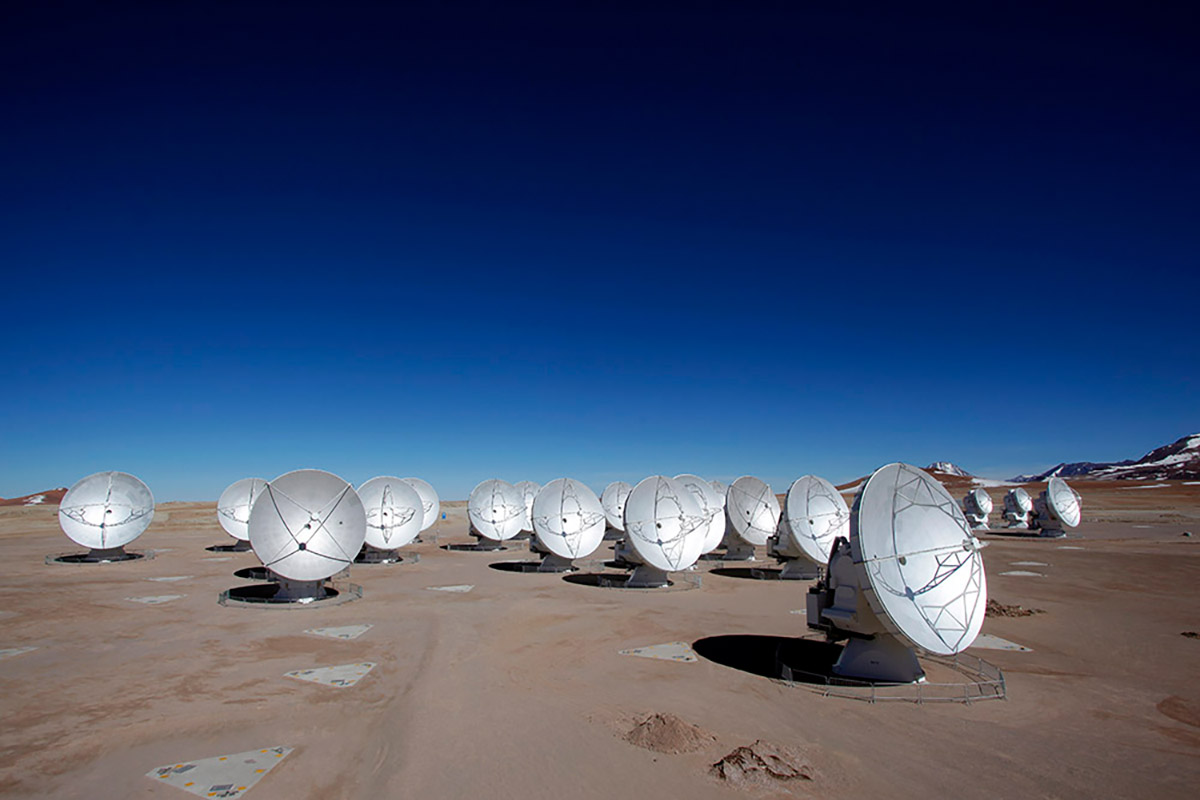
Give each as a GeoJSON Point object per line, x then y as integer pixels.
{"type": "Point", "coordinates": [517, 688]}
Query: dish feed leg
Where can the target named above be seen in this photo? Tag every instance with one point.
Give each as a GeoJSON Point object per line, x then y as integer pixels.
{"type": "Point", "coordinates": [879, 658]}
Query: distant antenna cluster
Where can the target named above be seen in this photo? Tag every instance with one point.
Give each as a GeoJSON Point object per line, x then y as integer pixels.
{"type": "Point", "coordinates": [897, 573]}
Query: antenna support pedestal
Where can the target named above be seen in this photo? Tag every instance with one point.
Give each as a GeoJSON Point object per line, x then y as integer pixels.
{"type": "Point", "coordinates": [100, 556]}
{"type": "Point", "coordinates": [486, 544]}
{"type": "Point", "coordinates": [623, 552]}
{"type": "Point", "coordinates": [298, 591]}
{"type": "Point", "coordinates": [799, 569]}
{"type": "Point", "coordinates": [554, 563]}
{"type": "Point", "coordinates": [375, 555]}
{"type": "Point", "coordinates": [880, 658]}
{"type": "Point", "coordinates": [645, 576]}
{"type": "Point", "coordinates": [738, 549]}
{"type": "Point", "coordinates": [978, 521]}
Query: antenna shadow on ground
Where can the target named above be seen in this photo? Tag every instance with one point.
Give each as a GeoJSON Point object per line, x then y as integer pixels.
{"type": "Point", "coordinates": [810, 660]}
{"type": "Point", "coordinates": [516, 566]}
{"type": "Point", "coordinates": [747, 573]}
{"type": "Point", "coordinates": [608, 580]}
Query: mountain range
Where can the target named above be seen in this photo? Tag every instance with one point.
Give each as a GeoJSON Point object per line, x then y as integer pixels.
{"type": "Point", "coordinates": [1179, 460]}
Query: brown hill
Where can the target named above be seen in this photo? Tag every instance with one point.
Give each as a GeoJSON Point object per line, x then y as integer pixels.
{"type": "Point", "coordinates": [49, 497]}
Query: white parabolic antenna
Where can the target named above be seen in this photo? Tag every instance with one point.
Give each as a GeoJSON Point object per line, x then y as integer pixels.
{"type": "Point", "coordinates": [308, 525]}
{"type": "Point", "coordinates": [568, 519]}
{"type": "Point", "coordinates": [982, 501]}
{"type": "Point", "coordinates": [496, 510]}
{"type": "Point", "coordinates": [664, 524]}
{"type": "Point", "coordinates": [430, 503]}
{"type": "Point", "coordinates": [1064, 502]}
{"type": "Point", "coordinates": [1018, 501]}
{"type": "Point", "coordinates": [394, 512]}
{"type": "Point", "coordinates": [233, 507]}
{"type": "Point", "coordinates": [528, 490]}
{"type": "Point", "coordinates": [613, 501]}
{"type": "Point", "coordinates": [919, 565]}
{"type": "Point", "coordinates": [106, 510]}
{"type": "Point", "coordinates": [816, 515]}
{"type": "Point", "coordinates": [753, 509]}
{"type": "Point", "coordinates": [712, 506]}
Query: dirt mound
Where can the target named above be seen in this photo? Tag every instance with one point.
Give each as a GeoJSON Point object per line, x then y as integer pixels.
{"type": "Point", "coordinates": [995, 609]}
{"type": "Point", "coordinates": [667, 733]}
{"type": "Point", "coordinates": [762, 764]}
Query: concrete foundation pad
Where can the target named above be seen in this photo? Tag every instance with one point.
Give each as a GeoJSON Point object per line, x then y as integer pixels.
{"type": "Point", "coordinates": [222, 776]}
{"type": "Point", "coordinates": [341, 676]}
{"type": "Point", "coordinates": [343, 632]}
{"type": "Point", "coordinates": [669, 651]}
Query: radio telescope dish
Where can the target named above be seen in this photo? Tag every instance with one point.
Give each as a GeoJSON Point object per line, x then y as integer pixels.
{"type": "Point", "coordinates": [1017, 505]}
{"type": "Point", "coordinates": [104, 512]}
{"type": "Point", "coordinates": [977, 505]}
{"type": "Point", "coordinates": [497, 512]}
{"type": "Point", "coordinates": [914, 561]}
{"type": "Point", "coordinates": [666, 528]}
{"type": "Point", "coordinates": [394, 516]}
{"type": "Point", "coordinates": [815, 515]}
{"type": "Point", "coordinates": [528, 490]}
{"type": "Point", "coordinates": [430, 503]}
{"type": "Point", "coordinates": [233, 508]}
{"type": "Point", "coordinates": [753, 513]}
{"type": "Point", "coordinates": [613, 500]}
{"type": "Point", "coordinates": [568, 522]}
{"type": "Point", "coordinates": [1057, 508]}
{"type": "Point", "coordinates": [307, 526]}
{"type": "Point", "coordinates": [712, 506]}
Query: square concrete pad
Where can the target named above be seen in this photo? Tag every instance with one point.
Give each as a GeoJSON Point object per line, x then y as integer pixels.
{"type": "Point", "coordinates": [222, 776]}
{"type": "Point", "coordinates": [342, 676]}
{"type": "Point", "coordinates": [989, 642]}
{"type": "Point", "coordinates": [670, 651]}
{"type": "Point", "coordinates": [154, 600]}
{"type": "Point", "coordinates": [344, 632]}
{"type": "Point", "coordinates": [14, 651]}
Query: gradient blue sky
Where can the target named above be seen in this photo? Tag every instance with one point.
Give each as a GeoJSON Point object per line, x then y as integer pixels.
{"type": "Point", "coordinates": [511, 240]}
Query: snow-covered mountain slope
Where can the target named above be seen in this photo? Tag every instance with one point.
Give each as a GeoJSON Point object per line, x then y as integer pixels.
{"type": "Point", "coordinates": [48, 497]}
{"type": "Point", "coordinates": [1179, 460]}
{"type": "Point", "coordinates": [948, 468]}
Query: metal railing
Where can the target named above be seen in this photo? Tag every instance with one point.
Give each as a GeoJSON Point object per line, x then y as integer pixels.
{"type": "Point", "coordinates": [982, 680]}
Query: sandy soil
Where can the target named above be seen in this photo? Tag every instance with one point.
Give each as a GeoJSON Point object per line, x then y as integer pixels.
{"type": "Point", "coordinates": [516, 689]}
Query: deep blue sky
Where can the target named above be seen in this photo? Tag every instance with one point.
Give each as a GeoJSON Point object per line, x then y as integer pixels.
{"type": "Point", "coordinates": [483, 240]}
